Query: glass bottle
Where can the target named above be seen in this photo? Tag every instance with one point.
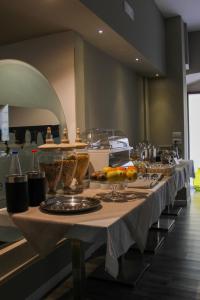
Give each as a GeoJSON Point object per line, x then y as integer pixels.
{"type": "Point", "coordinates": [17, 198]}
{"type": "Point", "coordinates": [15, 167]}
{"type": "Point", "coordinates": [36, 182]}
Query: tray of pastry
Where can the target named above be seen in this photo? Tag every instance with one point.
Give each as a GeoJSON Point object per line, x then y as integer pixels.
{"type": "Point", "coordinates": [165, 169]}
{"type": "Point", "coordinates": [146, 181]}
{"type": "Point", "coordinates": [70, 205]}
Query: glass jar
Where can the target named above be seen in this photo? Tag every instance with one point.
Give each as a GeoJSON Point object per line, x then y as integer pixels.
{"type": "Point", "coordinates": [69, 163]}
{"type": "Point", "coordinates": [68, 169]}
{"type": "Point", "coordinates": [82, 165]}
{"type": "Point", "coordinates": [51, 162]}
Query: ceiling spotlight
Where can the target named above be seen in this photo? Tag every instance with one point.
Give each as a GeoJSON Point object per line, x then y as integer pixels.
{"type": "Point", "coordinates": [100, 31]}
{"type": "Point", "coordinates": [137, 59]}
{"type": "Point", "coordinates": [157, 75]}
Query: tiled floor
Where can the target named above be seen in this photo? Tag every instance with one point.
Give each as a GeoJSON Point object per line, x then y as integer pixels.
{"type": "Point", "coordinates": [174, 273]}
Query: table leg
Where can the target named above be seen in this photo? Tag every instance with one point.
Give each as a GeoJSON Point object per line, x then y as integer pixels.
{"type": "Point", "coordinates": [78, 269]}
{"type": "Point", "coordinates": [164, 224]}
{"type": "Point", "coordinates": [131, 268]}
{"type": "Point", "coordinates": [172, 211]}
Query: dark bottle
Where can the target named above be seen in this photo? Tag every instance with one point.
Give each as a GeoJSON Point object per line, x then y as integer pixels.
{"type": "Point", "coordinates": [16, 187]}
{"type": "Point", "coordinates": [36, 182]}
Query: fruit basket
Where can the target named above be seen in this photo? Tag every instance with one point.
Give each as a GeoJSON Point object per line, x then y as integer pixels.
{"type": "Point", "coordinates": [115, 177]}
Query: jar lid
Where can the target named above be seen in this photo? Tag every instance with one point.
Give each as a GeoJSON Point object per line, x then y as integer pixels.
{"type": "Point", "coordinates": [66, 147]}
{"type": "Point", "coordinates": [65, 144]}
{"type": "Point", "coordinates": [36, 174]}
{"type": "Point", "coordinates": [78, 141]}
{"type": "Point", "coordinates": [14, 178]}
{"type": "Point", "coordinates": [49, 145]}
{"type": "Point", "coordinates": [80, 145]}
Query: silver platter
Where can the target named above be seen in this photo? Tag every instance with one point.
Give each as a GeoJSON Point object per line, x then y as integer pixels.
{"type": "Point", "coordinates": [70, 205]}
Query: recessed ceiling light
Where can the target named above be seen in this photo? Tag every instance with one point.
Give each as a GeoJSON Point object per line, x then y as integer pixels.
{"type": "Point", "coordinates": [157, 75]}
{"type": "Point", "coordinates": [137, 59]}
{"type": "Point", "coordinates": [100, 31]}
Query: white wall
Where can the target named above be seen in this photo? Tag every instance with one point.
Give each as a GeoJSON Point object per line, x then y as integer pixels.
{"type": "Point", "coordinates": [52, 55]}
{"type": "Point", "coordinates": [23, 116]}
{"type": "Point", "coordinates": [23, 85]}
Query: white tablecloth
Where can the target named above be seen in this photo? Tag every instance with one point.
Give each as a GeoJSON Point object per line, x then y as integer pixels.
{"type": "Point", "coordinates": [121, 224]}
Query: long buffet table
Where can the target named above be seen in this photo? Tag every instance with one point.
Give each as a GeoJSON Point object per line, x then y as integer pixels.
{"type": "Point", "coordinates": [119, 224]}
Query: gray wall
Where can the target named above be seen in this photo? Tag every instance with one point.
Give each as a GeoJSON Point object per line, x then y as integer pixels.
{"type": "Point", "coordinates": [194, 52]}
{"type": "Point", "coordinates": [146, 33]}
{"type": "Point", "coordinates": [112, 94]}
{"type": "Point", "coordinates": [167, 96]}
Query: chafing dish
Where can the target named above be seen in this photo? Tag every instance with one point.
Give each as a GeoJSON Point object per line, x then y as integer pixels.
{"type": "Point", "coordinates": [107, 147]}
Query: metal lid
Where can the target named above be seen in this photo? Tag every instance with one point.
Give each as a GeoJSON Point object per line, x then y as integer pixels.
{"type": "Point", "coordinates": [36, 174]}
{"type": "Point", "coordinates": [16, 178]}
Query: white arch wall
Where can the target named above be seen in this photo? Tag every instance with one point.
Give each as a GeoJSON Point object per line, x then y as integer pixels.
{"type": "Point", "coordinates": [53, 56]}
{"type": "Point", "coordinates": [23, 86]}
{"type": "Point", "coordinates": [26, 116]}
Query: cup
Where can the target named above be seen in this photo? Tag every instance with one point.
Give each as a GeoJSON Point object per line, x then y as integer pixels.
{"type": "Point", "coordinates": [36, 187]}
{"type": "Point", "coordinates": [17, 197]}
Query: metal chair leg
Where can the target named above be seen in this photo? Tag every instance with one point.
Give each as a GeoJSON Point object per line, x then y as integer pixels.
{"type": "Point", "coordinates": [78, 270]}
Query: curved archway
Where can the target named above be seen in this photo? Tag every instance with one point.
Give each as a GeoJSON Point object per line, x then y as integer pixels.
{"type": "Point", "coordinates": [23, 85]}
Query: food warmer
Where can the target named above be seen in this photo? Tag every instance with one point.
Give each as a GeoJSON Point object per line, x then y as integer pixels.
{"type": "Point", "coordinates": [107, 147]}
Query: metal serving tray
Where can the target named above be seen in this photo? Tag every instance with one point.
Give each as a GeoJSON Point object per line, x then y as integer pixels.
{"type": "Point", "coordinates": [70, 205]}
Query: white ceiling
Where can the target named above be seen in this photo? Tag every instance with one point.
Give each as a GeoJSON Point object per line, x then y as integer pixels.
{"type": "Point", "coordinates": [189, 10]}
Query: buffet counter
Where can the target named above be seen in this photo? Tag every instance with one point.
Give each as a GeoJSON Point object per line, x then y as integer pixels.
{"type": "Point", "coordinates": [120, 224]}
